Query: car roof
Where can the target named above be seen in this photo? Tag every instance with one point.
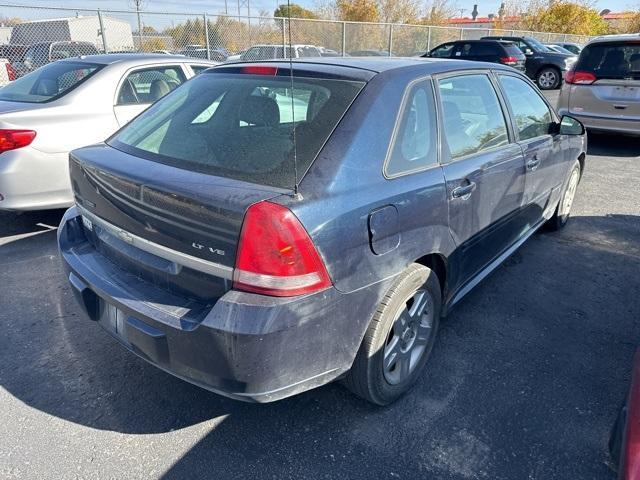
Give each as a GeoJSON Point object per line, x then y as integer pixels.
{"type": "Point", "coordinates": [370, 66]}
{"type": "Point", "coordinates": [137, 58]}
{"type": "Point", "coordinates": [616, 38]}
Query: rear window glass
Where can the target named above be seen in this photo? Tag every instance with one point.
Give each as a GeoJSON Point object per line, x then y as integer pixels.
{"type": "Point", "coordinates": [611, 60]}
{"type": "Point", "coordinates": [49, 82]}
{"type": "Point", "coordinates": [240, 126]}
{"type": "Point", "coordinates": [481, 49]}
{"type": "Point", "coordinates": [512, 50]}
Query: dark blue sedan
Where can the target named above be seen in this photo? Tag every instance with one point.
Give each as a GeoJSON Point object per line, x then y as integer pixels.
{"type": "Point", "coordinates": [269, 227]}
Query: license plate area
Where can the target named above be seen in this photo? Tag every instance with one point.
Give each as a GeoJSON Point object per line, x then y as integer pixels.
{"type": "Point", "coordinates": [626, 93]}
{"type": "Point", "coordinates": [113, 320]}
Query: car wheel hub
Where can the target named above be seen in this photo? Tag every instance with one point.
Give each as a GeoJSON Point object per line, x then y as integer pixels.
{"type": "Point", "coordinates": [547, 79]}
{"type": "Point", "coordinates": [570, 194]}
{"type": "Point", "coordinates": [408, 338]}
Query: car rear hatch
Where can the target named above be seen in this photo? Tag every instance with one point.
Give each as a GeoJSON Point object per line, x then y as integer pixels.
{"type": "Point", "coordinates": [514, 56]}
{"type": "Point", "coordinates": [165, 198]}
{"type": "Point", "coordinates": [606, 81]}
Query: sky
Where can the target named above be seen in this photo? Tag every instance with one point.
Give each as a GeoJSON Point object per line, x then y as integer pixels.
{"type": "Point", "coordinates": [218, 6]}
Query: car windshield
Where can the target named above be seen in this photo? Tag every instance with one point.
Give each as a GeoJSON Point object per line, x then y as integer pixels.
{"type": "Point", "coordinates": [611, 60]}
{"type": "Point", "coordinates": [49, 82]}
{"type": "Point", "coordinates": [240, 126]}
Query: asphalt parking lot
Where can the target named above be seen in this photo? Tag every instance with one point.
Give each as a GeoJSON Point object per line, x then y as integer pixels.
{"type": "Point", "coordinates": [525, 380]}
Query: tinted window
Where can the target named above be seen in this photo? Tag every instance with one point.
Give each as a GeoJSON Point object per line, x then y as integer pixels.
{"type": "Point", "coordinates": [413, 146]}
{"type": "Point", "coordinates": [240, 126]}
{"type": "Point", "coordinates": [149, 85]}
{"type": "Point", "coordinates": [49, 82]}
{"type": "Point", "coordinates": [472, 117]}
{"type": "Point", "coordinates": [443, 51]}
{"type": "Point", "coordinates": [611, 60]}
{"type": "Point", "coordinates": [480, 49]}
{"type": "Point", "coordinates": [531, 113]}
{"type": "Point", "coordinates": [512, 50]}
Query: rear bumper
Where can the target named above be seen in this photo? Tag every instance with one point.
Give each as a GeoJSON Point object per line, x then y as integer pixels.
{"type": "Point", "coordinates": [246, 346]}
{"type": "Point", "coordinates": [34, 180]}
{"type": "Point", "coordinates": [605, 124]}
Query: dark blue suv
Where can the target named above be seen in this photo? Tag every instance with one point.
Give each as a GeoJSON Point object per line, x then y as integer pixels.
{"type": "Point", "coordinates": [270, 227]}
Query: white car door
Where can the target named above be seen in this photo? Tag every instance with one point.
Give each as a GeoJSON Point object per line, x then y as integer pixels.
{"type": "Point", "coordinates": [142, 86]}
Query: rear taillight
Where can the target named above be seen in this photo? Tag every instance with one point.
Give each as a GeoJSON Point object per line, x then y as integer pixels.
{"type": "Point", "coordinates": [11, 73]}
{"type": "Point", "coordinates": [579, 77]}
{"type": "Point", "coordinates": [509, 60]}
{"type": "Point", "coordinates": [12, 139]}
{"type": "Point", "coordinates": [276, 255]}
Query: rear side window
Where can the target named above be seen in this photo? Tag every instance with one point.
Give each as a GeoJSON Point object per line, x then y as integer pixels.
{"type": "Point", "coordinates": [49, 82]}
{"type": "Point", "coordinates": [240, 126]}
{"type": "Point", "coordinates": [611, 60]}
{"type": "Point", "coordinates": [512, 50]}
{"type": "Point", "coordinates": [199, 68]}
{"type": "Point", "coordinates": [482, 49]}
{"type": "Point", "coordinates": [473, 120]}
{"type": "Point", "coordinates": [531, 113]}
{"type": "Point", "coordinates": [149, 85]}
{"type": "Point", "coordinates": [414, 147]}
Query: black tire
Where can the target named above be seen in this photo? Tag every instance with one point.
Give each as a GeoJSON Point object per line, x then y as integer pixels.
{"type": "Point", "coordinates": [560, 219]}
{"type": "Point", "coordinates": [544, 76]}
{"type": "Point", "coordinates": [368, 377]}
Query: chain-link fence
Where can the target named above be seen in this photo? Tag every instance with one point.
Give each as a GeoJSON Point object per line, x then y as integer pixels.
{"type": "Point", "coordinates": [31, 31]}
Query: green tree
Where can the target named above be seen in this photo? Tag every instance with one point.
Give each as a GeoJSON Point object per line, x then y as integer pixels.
{"type": "Point", "coordinates": [295, 11]}
{"type": "Point", "coordinates": [358, 10]}
{"type": "Point", "coordinates": [563, 17]}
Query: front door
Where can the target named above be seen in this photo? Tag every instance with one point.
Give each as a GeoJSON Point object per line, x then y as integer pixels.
{"type": "Point", "coordinates": [484, 172]}
{"type": "Point", "coordinates": [542, 148]}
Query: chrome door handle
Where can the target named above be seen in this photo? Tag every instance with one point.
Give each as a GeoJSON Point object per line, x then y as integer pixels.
{"type": "Point", "coordinates": [463, 192]}
{"type": "Point", "coordinates": [533, 163]}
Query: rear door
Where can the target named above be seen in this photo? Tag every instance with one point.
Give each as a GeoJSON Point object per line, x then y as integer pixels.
{"type": "Point", "coordinates": [543, 151]}
{"type": "Point", "coordinates": [479, 51]}
{"type": "Point", "coordinates": [140, 87]}
{"type": "Point", "coordinates": [615, 91]}
{"type": "Point", "coordinates": [483, 169]}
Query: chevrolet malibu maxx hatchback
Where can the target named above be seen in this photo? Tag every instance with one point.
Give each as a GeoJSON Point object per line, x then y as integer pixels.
{"type": "Point", "coordinates": [270, 227]}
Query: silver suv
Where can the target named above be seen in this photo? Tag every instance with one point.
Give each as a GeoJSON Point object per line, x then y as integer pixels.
{"type": "Point", "coordinates": [603, 88]}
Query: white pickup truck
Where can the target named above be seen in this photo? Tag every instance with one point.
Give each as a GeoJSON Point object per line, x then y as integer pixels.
{"type": "Point", "coordinates": [7, 73]}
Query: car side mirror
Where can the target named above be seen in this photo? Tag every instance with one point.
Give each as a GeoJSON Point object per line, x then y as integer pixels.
{"type": "Point", "coordinates": [570, 126]}
{"type": "Point", "coordinates": [528, 52]}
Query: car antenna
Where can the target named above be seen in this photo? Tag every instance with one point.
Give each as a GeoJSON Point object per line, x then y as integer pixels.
{"type": "Point", "coordinates": [293, 115]}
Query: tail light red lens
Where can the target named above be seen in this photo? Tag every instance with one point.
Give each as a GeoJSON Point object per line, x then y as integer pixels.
{"type": "Point", "coordinates": [11, 73]}
{"type": "Point", "coordinates": [276, 255]}
{"type": "Point", "coordinates": [12, 139]}
{"type": "Point", "coordinates": [579, 77]}
{"type": "Point", "coordinates": [509, 60]}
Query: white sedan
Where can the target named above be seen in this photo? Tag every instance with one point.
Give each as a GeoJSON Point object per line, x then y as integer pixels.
{"type": "Point", "coordinates": [69, 104]}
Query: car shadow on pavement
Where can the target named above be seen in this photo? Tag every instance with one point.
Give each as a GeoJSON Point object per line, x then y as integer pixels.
{"type": "Point", "coordinates": [613, 145]}
{"type": "Point", "coordinates": [530, 366]}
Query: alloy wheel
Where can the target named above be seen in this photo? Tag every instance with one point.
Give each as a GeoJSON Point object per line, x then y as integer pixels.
{"type": "Point", "coordinates": [409, 337]}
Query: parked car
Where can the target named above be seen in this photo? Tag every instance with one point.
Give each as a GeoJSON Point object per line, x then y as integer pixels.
{"type": "Point", "coordinates": [7, 73]}
{"type": "Point", "coordinates": [68, 104]}
{"type": "Point", "coordinates": [198, 51]}
{"type": "Point", "coordinates": [328, 52]}
{"type": "Point", "coordinates": [572, 47]}
{"type": "Point", "coordinates": [558, 48]}
{"type": "Point", "coordinates": [272, 52]}
{"type": "Point", "coordinates": [370, 53]}
{"type": "Point", "coordinates": [624, 444]}
{"type": "Point", "coordinates": [603, 88]}
{"type": "Point", "coordinates": [13, 53]}
{"type": "Point", "coordinates": [545, 67]}
{"type": "Point", "coordinates": [43, 53]}
{"type": "Point", "coordinates": [494, 51]}
{"type": "Point", "coordinates": [215, 243]}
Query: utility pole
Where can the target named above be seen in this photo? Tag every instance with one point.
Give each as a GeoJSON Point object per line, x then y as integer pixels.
{"type": "Point", "coordinates": [138, 4]}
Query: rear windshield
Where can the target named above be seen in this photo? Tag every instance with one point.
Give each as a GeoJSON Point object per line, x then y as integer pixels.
{"type": "Point", "coordinates": [611, 60]}
{"type": "Point", "coordinates": [48, 83]}
{"type": "Point", "coordinates": [513, 50]}
{"type": "Point", "coordinates": [240, 126]}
